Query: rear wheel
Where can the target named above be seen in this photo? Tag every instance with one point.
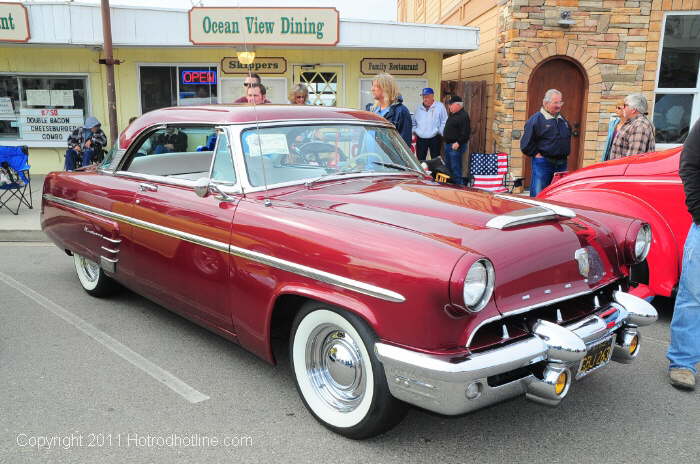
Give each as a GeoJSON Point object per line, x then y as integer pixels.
{"type": "Point", "coordinates": [338, 376]}
{"type": "Point", "coordinates": [93, 278]}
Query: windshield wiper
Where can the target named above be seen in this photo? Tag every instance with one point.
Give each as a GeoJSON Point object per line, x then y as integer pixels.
{"type": "Point", "coordinates": [400, 167]}
{"type": "Point", "coordinates": [311, 182]}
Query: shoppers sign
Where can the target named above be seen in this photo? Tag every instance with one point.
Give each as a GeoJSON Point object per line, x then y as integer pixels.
{"type": "Point", "coordinates": [48, 124]}
{"type": "Point", "coordinates": [394, 66]}
{"type": "Point", "coordinates": [264, 26]}
{"type": "Point", "coordinates": [261, 65]}
{"type": "Point", "coordinates": [14, 22]}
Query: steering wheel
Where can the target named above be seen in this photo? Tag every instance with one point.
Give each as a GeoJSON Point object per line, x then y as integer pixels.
{"type": "Point", "coordinates": [311, 150]}
{"type": "Point", "coordinates": [367, 158]}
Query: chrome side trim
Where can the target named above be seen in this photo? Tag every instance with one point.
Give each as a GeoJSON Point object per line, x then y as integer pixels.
{"type": "Point", "coordinates": [112, 240]}
{"type": "Point", "coordinates": [558, 210]}
{"type": "Point", "coordinates": [109, 250]}
{"type": "Point", "coordinates": [109, 265]}
{"type": "Point", "coordinates": [299, 269]}
{"type": "Point", "coordinates": [539, 212]}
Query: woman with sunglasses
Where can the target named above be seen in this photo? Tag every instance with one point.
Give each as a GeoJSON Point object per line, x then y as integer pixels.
{"type": "Point", "coordinates": [298, 95]}
{"type": "Point", "coordinates": [616, 122]}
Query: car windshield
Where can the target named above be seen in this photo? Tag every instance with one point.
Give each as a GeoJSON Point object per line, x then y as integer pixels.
{"type": "Point", "coordinates": [275, 155]}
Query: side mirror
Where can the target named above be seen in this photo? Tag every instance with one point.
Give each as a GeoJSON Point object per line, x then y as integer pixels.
{"type": "Point", "coordinates": [201, 187]}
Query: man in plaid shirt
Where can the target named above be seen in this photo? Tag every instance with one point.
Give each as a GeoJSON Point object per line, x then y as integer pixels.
{"type": "Point", "coordinates": [637, 134]}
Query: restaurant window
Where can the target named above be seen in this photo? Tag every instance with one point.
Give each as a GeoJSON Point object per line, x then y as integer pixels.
{"type": "Point", "coordinates": [677, 99]}
{"type": "Point", "coordinates": [409, 89]}
{"type": "Point", "coordinates": [41, 108]}
{"type": "Point", "coordinates": [182, 85]}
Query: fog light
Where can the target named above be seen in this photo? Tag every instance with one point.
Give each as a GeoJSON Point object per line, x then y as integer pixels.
{"type": "Point", "coordinates": [562, 380]}
{"type": "Point", "coordinates": [634, 343]}
{"type": "Point", "coordinates": [473, 391]}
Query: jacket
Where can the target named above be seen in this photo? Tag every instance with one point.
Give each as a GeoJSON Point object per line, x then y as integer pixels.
{"type": "Point", "coordinates": [427, 123]}
{"type": "Point", "coordinates": [82, 134]}
{"type": "Point", "coordinates": [635, 136]}
{"type": "Point", "coordinates": [690, 171]}
{"type": "Point", "coordinates": [548, 135]}
{"type": "Point", "coordinates": [457, 128]}
{"type": "Point", "coordinates": [400, 117]}
{"type": "Point", "coordinates": [614, 120]}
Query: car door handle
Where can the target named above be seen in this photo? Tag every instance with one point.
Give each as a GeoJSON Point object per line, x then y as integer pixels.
{"type": "Point", "coordinates": [144, 187]}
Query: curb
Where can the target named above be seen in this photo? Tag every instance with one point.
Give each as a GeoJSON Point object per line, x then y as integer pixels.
{"type": "Point", "coordinates": [23, 236]}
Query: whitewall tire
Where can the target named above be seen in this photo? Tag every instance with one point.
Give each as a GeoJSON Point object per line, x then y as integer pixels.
{"type": "Point", "coordinates": [92, 277]}
{"type": "Point", "coordinates": [337, 374]}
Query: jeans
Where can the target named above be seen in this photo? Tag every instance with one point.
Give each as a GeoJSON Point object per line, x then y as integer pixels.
{"type": "Point", "coordinates": [453, 159]}
{"type": "Point", "coordinates": [542, 172]}
{"type": "Point", "coordinates": [684, 350]}
{"type": "Point", "coordinates": [432, 144]}
{"type": "Point", "coordinates": [73, 156]}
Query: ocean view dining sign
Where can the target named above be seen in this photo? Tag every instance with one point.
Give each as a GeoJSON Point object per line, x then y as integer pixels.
{"type": "Point", "coordinates": [264, 26]}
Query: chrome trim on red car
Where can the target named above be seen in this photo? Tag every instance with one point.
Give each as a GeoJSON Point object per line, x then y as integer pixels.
{"type": "Point", "coordinates": [299, 269]}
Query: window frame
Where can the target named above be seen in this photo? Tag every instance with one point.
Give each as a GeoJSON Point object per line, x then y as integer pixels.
{"type": "Point", "coordinates": [139, 65]}
{"type": "Point", "coordinates": [695, 108]}
{"type": "Point", "coordinates": [58, 75]}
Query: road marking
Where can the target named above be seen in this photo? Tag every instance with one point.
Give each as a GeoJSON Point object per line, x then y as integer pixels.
{"type": "Point", "coordinates": [158, 373]}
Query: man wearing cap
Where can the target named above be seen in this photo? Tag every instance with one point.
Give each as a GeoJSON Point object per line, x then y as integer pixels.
{"type": "Point", "coordinates": [456, 135]}
{"type": "Point", "coordinates": [547, 140]}
{"type": "Point", "coordinates": [428, 125]}
{"type": "Point", "coordinates": [84, 143]}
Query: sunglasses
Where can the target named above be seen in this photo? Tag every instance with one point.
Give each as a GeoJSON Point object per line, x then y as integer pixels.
{"type": "Point", "coordinates": [249, 84]}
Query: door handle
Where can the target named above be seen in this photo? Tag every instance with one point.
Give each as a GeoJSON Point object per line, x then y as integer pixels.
{"type": "Point", "coordinates": [144, 187]}
{"type": "Point", "coordinates": [576, 131]}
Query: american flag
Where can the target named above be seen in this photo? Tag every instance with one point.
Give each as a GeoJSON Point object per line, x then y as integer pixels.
{"type": "Point", "coordinates": [488, 171]}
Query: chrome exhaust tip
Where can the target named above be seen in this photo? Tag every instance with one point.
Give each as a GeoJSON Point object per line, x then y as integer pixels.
{"type": "Point", "coordinates": [552, 387]}
{"type": "Point", "coordinates": [626, 346]}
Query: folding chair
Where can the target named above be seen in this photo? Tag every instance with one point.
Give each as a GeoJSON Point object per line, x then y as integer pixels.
{"type": "Point", "coordinates": [489, 171]}
{"type": "Point", "coordinates": [18, 159]}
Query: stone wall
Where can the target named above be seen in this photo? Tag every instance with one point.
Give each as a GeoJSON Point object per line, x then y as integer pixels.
{"type": "Point", "coordinates": [616, 41]}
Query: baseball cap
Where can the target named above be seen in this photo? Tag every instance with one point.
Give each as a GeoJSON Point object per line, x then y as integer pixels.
{"type": "Point", "coordinates": [455, 99]}
{"type": "Point", "coordinates": [427, 91]}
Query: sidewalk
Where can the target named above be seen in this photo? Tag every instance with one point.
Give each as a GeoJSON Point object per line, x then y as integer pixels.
{"type": "Point", "coordinates": [24, 227]}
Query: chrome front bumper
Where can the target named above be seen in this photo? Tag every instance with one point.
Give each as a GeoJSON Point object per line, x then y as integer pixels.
{"type": "Point", "coordinates": [455, 386]}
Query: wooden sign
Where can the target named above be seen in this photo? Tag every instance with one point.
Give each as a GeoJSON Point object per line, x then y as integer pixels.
{"type": "Point", "coordinates": [264, 26]}
{"type": "Point", "coordinates": [393, 66]}
{"type": "Point", "coordinates": [261, 65]}
{"type": "Point", "coordinates": [14, 22]}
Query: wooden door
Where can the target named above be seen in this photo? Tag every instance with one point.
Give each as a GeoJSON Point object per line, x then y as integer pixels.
{"type": "Point", "coordinates": [474, 95]}
{"type": "Point", "coordinates": [565, 76]}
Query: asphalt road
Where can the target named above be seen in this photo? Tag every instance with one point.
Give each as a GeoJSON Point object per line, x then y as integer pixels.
{"type": "Point", "coordinates": [67, 398]}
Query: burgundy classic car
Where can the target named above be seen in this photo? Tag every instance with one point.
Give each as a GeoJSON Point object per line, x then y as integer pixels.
{"type": "Point", "coordinates": [644, 186]}
{"type": "Point", "coordinates": [320, 224]}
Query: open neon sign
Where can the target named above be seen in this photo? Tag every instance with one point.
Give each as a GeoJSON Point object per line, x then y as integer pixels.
{"type": "Point", "coordinates": [197, 76]}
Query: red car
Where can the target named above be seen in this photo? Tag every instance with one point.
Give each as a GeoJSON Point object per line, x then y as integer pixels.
{"type": "Point", "coordinates": [320, 224]}
{"type": "Point", "coordinates": [644, 186]}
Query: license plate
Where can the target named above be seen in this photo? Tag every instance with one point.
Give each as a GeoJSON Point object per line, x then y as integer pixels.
{"type": "Point", "coordinates": [598, 356]}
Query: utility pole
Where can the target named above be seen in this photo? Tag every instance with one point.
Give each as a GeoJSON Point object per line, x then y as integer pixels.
{"type": "Point", "coordinates": [109, 61]}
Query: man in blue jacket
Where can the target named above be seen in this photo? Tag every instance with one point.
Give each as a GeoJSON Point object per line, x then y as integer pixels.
{"type": "Point", "coordinates": [547, 140]}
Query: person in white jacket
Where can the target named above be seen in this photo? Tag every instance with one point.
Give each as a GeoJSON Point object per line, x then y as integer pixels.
{"type": "Point", "coordinates": [428, 124]}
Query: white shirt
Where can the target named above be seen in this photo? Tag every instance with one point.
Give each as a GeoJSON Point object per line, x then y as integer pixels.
{"type": "Point", "coordinates": [427, 123]}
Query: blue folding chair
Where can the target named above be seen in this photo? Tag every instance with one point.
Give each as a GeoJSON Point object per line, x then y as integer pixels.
{"type": "Point", "coordinates": [18, 159]}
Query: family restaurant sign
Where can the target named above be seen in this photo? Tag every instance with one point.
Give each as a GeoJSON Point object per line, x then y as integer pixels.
{"type": "Point", "coordinates": [393, 66]}
{"type": "Point", "coordinates": [14, 24]}
{"type": "Point", "coordinates": [264, 26]}
{"type": "Point", "coordinates": [261, 65]}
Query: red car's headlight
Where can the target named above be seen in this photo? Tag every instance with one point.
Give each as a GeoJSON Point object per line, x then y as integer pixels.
{"type": "Point", "coordinates": [637, 243]}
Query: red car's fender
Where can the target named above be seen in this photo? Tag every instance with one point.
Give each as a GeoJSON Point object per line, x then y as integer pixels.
{"type": "Point", "coordinates": [663, 255]}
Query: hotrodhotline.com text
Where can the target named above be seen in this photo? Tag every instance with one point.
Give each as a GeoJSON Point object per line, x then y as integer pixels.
{"type": "Point", "coordinates": [131, 440]}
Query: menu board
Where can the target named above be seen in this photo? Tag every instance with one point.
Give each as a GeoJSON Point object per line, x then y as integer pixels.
{"type": "Point", "coordinates": [48, 124]}
{"type": "Point", "coordinates": [6, 106]}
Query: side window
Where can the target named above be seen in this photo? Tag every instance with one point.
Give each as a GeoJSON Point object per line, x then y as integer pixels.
{"type": "Point", "coordinates": [223, 170]}
{"type": "Point", "coordinates": [179, 152]}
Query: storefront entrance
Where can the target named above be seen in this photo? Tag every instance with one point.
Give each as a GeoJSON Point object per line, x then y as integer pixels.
{"type": "Point", "coordinates": [566, 76]}
{"type": "Point", "coordinates": [325, 83]}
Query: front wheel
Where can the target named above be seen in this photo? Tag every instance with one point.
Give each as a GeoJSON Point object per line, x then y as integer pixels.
{"type": "Point", "coordinates": [337, 374]}
{"type": "Point", "coordinates": [93, 278]}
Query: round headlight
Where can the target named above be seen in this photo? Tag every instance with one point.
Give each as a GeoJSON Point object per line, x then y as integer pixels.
{"type": "Point", "coordinates": [642, 243]}
{"type": "Point", "coordinates": [478, 285]}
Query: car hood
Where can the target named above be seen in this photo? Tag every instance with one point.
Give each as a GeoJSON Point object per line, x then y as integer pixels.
{"type": "Point", "coordinates": [534, 262]}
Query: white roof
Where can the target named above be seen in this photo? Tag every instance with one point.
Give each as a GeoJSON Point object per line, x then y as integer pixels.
{"type": "Point", "coordinates": [81, 24]}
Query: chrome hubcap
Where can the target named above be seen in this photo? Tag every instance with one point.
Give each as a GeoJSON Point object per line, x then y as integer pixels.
{"type": "Point", "coordinates": [334, 366]}
{"type": "Point", "coordinates": [90, 269]}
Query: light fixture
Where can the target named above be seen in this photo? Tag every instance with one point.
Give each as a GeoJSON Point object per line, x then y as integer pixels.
{"type": "Point", "coordinates": [565, 19]}
{"type": "Point", "coordinates": [245, 56]}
